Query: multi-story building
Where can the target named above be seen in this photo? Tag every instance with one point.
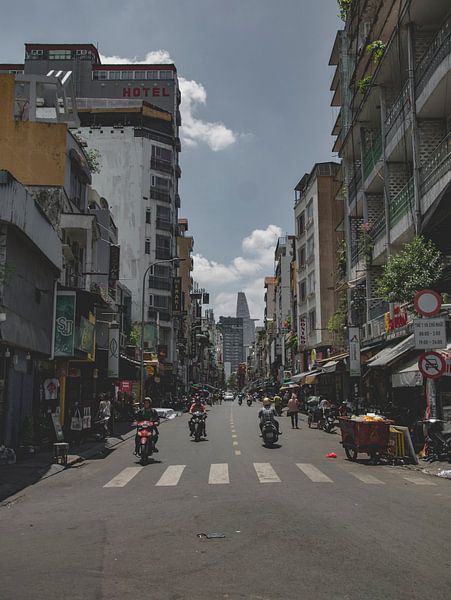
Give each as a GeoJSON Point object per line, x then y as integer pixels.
{"type": "Point", "coordinates": [185, 246]}
{"type": "Point", "coordinates": [242, 310]}
{"type": "Point", "coordinates": [283, 257]}
{"type": "Point", "coordinates": [232, 335]}
{"type": "Point", "coordinates": [391, 84]}
{"type": "Point", "coordinates": [130, 116]}
{"type": "Point", "coordinates": [269, 320]}
{"type": "Point", "coordinates": [317, 216]}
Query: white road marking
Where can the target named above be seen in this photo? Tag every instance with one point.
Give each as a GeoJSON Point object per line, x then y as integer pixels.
{"type": "Point", "coordinates": [419, 480]}
{"type": "Point", "coordinates": [367, 478]}
{"type": "Point", "coordinates": [124, 477]}
{"type": "Point", "coordinates": [219, 473]}
{"type": "Point", "coordinates": [234, 443]}
{"type": "Point", "coordinates": [171, 476]}
{"type": "Point", "coordinates": [266, 473]}
{"type": "Point", "coordinates": [313, 473]}
{"type": "Point", "coordinates": [234, 436]}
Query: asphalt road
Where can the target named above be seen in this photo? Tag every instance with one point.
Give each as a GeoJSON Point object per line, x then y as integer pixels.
{"type": "Point", "coordinates": [296, 524]}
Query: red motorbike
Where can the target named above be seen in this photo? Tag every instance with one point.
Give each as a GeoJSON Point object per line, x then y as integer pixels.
{"type": "Point", "coordinates": [147, 436]}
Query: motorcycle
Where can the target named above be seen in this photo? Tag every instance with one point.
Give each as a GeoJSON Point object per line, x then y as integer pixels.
{"type": "Point", "coordinates": [249, 401]}
{"type": "Point", "coordinates": [270, 434]}
{"type": "Point", "coordinates": [438, 443]}
{"type": "Point", "coordinates": [329, 420]}
{"type": "Point", "coordinates": [240, 401]}
{"type": "Point", "coordinates": [198, 425]}
{"type": "Point", "coordinates": [147, 435]}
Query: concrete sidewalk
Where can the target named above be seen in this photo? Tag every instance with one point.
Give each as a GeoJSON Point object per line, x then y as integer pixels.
{"type": "Point", "coordinates": [14, 478]}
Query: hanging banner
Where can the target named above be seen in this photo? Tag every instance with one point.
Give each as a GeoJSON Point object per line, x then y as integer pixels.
{"type": "Point", "coordinates": [85, 338]}
{"type": "Point", "coordinates": [65, 323]}
{"type": "Point", "coordinates": [354, 351]}
{"type": "Point", "coordinates": [113, 351]}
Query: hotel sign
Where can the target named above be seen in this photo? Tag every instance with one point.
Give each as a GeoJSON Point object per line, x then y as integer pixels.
{"type": "Point", "coordinates": [145, 92]}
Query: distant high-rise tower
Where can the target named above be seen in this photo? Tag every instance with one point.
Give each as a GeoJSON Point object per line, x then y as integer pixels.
{"type": "Point", "coordinates": [242, 310]}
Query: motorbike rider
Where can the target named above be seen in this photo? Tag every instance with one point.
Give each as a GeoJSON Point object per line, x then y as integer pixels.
{"type": "Point", "coordinates": [147, 413]}
{"type": "Point", "coordinates": [267, 413]}
{"type": "Point", "coordinates": [197, 406]}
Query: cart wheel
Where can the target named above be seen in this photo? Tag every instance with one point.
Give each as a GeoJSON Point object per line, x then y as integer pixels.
{"type": "Point", "coordinates": [374, 457]}
{"type": "Point", "coordinates": [351, 453]}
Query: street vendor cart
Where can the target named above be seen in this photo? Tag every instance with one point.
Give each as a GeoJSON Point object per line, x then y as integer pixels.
{"type": "Point", "coordinates": [365, 434]}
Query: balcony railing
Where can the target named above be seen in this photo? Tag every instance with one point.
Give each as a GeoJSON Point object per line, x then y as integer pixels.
{"type": "Point", "coordinates": [402, 203]}
{"type": "Point", "coordinates": [437, 164]}
{"type": "Point", "coordinates": [437, 51]}
{"type": "Point", "coordinates": [159, 283]}
{"type": "Point", "coordinates": [161, 165]}
{"type": "Point", "coordinates": [378, 228]}
{"type": "Point", "coordinates": [355, 184]}
{"type": "Point", "coordinates": [356, 252]}
{"type": "Point", "coordinates": [160, 194]}
{"type": "Point", "coordinates": [396, 114]}
{"type": "Point", "coordinates": [372, 156]}
{"type": "Point", "coordinates": [162, 253]}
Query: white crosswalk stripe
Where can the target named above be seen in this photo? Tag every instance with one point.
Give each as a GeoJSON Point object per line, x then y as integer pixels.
{"type": "Point", "coordinates": [123, 477]}
{"type": "Point", "coordinates": [313, 473]}
{"type": "Point", "coordinates": [219, 473]}
{"type": "Point", "coordinates": [419, 480]}
{"type": "Point", "coordinates": [266, 473]}
{"type": "Point", "coordinates": [171, 476]}
{"type": "Point", "coordinates": [367, 478]}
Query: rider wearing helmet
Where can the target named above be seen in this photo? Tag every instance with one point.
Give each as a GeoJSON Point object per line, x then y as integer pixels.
{"type": "Point", "coordinates": [267, 413]}
{"type": "Point", "coordinates": [147, 413]}
{"type": "Point", "coordinates": [197, 406]}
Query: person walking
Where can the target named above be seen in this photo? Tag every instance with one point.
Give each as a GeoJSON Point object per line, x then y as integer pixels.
{"type": "Point", "coordinates": [293, 410]}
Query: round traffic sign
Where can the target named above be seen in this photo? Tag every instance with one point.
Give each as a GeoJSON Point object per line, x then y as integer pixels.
{"type": "Point", "coordinates": [432, 364]}
{"type": "Point", "coordinates": [427, 303]}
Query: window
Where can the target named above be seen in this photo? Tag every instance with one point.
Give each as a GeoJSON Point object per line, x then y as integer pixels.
{"type": "Point", "coordinates": [126, 74]}
{"type": "Point", "coordinates": [148, 216]}
{"type": "Point", "coordinates": [301, 223]}
{"type": "Point", "coordinates": [140, 74]}
{"type": "Point", "coordinates": [115, 75]}
{"type": "Point", "coordinates": [161, 153]}
{"type": "Point", "coordinates": [163, 248]}
{"type": "Point", "coordinates": [301, 257]}
{"type": "Point", "coordinates": [147, 246]}
{"type": "Point", "coordinates": [159, 301]}
{"type": "Point", "coordinates": [310, 212]}
{"type": "Point", "coordinates": [166, 75]}
{"type": "Point", "coordinates": [160, 182]}
{"type": "Point", "coordinates": [303, 290]}
{"type": "Point", "coordinates": [311, 283]}
{"type": "Point", "coordinates": [312, 321]}
{"type": "Point", "coordinates": [152, 74]}
{"type": "Point", "coordinates": [60, 55]}
{"type": "Point", "coordinates": [310, 248]}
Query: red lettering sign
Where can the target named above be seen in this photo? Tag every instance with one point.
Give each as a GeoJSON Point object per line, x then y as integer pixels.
{"type": "Point", "coordinates": [126, 92]}
{"type": "Point", "coordinates": [137, 92]}
{"type": "Point", "coordinates": [155, 91]}
{"type": "Point", "coordinates": [165, 92]}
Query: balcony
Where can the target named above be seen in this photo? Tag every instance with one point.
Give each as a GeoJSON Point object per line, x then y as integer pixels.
{"type": "Point", "coordinates": [160, 194]}
{"type": "Point", "coordinates": [156, 314]}
{"type": "Point", "coordinates": [354, 185]}
{"type": "Point", "coordinates": [159, 283]}
{"type": "Point", "coordinates": [372, 156]}
{"type": "Point", "coordinates": [397, 113]}
{"type": "Point", "coordinates": [356, 253]}
{"type": "Point", "coordinates": [402, 203]}
{"type": "Point", "coordinates": [162, 253]}
{"type": "Point", "coordinates": [436, 53]}
{"type": "Point", "coordinates": [437, 165]}
{"type": "Point", "coordinates": [161, 165]}
{"type": "Point", "coordinates": [378, 228]}
{"type": "Point", "coordinates": [164, 224]}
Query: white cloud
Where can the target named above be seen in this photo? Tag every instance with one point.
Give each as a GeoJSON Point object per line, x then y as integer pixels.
{"type": "Point", "coordinates": [194, 130]}
{"type": "Point", "coordinates": [243, 273]}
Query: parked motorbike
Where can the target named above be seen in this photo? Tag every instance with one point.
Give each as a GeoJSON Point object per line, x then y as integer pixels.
{"type": "Point", "coordinates": [438, 444]}
{"type": "Point", "coordinates": [198, 425]}
{"type": "Point", "coordinates": [270, 434]}
{"type": "Point", "coordinates": [147, 435]}
{"type": "Point", "coordinates": [329, 420]}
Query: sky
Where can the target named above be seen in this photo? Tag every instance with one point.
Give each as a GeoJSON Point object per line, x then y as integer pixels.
{"type": "Point", "coordinates": [255, 109]}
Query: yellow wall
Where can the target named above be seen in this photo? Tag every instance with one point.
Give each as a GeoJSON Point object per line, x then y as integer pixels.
{"type": "Point", "coordinates": [34, 153]}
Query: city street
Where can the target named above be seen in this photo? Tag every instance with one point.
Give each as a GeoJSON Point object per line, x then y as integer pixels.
{"type": "Point", "coordinates": [295, 523]}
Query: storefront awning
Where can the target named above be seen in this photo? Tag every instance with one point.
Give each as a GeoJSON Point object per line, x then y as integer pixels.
{"type": "Point", "coordinates": [408, 376]}
{"type": "Point", "coordinates": [388, 355]}
{"type": "Point", "coordinates": [330, 367]}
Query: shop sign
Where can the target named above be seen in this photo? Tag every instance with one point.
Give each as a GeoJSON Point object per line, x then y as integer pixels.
{"type": "Point", "coordinates": [138, 92]}
{"type": "Point", "coordinates": [86, 336]}
{"type": "Point", "coordinates": [125, 387]}
{"type": "Point", "coordinates": [113, 350]}
{"type": "Point", "coordinates": [429, 333]}
{"type": "Point", "coordinates": [399, 319]}
{"type": "Point", "coordinates": [176, 295]}
{"type": "Point", "coordinates": [64, 324]}
{"type": "Point", "coordinates": [354, 351]}
{"type": "Point", "coordinates": [302, 332]}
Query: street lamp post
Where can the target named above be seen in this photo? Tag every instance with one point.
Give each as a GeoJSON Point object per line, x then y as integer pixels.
{"type": "Point", "coordinates": [158, 262]}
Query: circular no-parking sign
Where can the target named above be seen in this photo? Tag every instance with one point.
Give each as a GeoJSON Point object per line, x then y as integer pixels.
{"type": "Point", "coordinates": [432, 364]}
{"type": "Point", "coordinates": [427, 303]}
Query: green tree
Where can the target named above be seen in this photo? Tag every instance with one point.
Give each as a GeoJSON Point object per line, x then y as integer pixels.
{"type": "Point", "coordinates": [420, 264]}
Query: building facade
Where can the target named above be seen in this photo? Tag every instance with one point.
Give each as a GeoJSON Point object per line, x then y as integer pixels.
{"type": "Point", "coordinates": [242, 310]}
{"type": "Point", "coordinates": [232, 335]}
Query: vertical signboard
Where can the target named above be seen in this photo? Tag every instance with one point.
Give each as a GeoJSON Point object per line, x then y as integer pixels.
{"type": "Point", "coordinates": [113, 351]}
{"type": "Point", "coordinates": [177, 295]}
{"type": "Point", "coordinates": [354, 351]}
{"type": "Point", "coordinates": [114, 263]}
{"type": "Point", "coordinates": [65, 323]}
{"type": "Point", "coordinates": [302, 332]}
